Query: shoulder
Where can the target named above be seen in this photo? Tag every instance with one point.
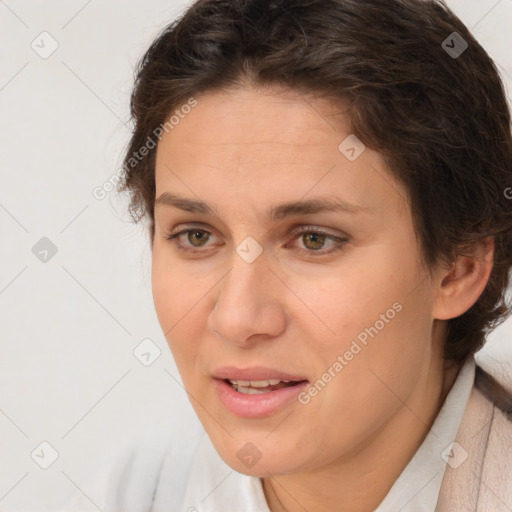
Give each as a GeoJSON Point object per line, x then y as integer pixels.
{"type": "Point", "coordinates": [479, 468]}
{"type": "Point", "coordinates": [499, 404]}
{"type": "Point", "coordinates": [496, 471]}
{"type": "Point", "coordinates": [494, 392]}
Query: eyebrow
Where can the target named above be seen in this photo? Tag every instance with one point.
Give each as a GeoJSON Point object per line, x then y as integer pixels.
{"type": "Point", "coordinates": [279, 212]}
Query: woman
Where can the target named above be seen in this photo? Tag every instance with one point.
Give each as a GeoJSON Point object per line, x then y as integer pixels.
{"type": "Point", "coordinates": [326, 188]}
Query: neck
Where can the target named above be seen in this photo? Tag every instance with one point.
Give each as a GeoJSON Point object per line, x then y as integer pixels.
{"type": "Point", "coordinates": [359, 481]}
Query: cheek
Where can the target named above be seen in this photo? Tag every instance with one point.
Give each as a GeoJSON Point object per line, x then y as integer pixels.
{"type": "Point", "coordinates": [369, 312]}
{"type": "Point", "coordinates": [175, 290]}
{"type": "Point", "coordinates": [179, 302]}
{"type": "Point", "coordinates": [172, 294]}
{"type": "Point", "coordinates": [165, 286]}
{"type": "Point", "coordinates": [362, 384]}
{"type": "Point", "coordinates": [377, 355]}
{"type": "Point", "coordinates": [338, 305]}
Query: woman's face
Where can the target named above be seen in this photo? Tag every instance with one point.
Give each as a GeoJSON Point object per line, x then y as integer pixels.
{"type": "Point", "coordinates": [344, 312]}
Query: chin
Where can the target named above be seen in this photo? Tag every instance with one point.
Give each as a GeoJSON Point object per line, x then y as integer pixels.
{"type": "Point", "coordinates": [259, 458]}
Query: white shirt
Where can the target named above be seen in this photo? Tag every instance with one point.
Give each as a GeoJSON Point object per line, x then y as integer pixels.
{"type": "Point", "coordinates": [186, 474]}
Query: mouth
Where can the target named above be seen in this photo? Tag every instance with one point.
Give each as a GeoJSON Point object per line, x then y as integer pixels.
{"type": "Point", "coordinates": [257, 392]}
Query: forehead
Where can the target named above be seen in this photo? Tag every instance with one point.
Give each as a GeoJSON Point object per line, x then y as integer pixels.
{"type": "Point", "coordinates": [267, 144]}
{"type": "Point", "coordinates": [257, 115]}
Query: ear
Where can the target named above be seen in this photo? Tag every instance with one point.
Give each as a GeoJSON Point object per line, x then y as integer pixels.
{"type": "Point", "coordinates": [465, 280]}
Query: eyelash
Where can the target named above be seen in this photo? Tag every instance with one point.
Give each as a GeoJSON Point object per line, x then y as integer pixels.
{"type": "Point", "coordinates": [340, 241]}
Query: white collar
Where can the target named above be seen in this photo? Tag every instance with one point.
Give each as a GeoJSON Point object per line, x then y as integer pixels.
{"type": "Point", "coordinates": [417, 488]}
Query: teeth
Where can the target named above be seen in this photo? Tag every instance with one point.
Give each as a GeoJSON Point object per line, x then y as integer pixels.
{"type": "Point", "coordinates": [251, 391]}
{"type": "Point", "coordinates": [241, 382]}
{"type": "Point", "coordinates": [253, 387]}
{"type": "Point", "coordinates": [256, 383]}
{"type": "Point", "coordinates": [263, 383]}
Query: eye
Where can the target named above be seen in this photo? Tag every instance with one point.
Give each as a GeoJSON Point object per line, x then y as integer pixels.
{"type": "Point", "coordinates": [314, 240]}
{"type": "Point", "coordinates": [197, 237]}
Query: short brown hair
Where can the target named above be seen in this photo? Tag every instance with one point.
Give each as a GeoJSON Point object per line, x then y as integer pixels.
{"type": "Point", "coordinates": [441, 121]}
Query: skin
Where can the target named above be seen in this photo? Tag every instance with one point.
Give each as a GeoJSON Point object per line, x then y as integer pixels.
{"type": "Point", "coordinates": [243, 150]}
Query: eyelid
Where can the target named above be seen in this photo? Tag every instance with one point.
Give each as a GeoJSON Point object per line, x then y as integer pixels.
{"type": "Point", "coordinates": [185, 228]}
{"type": "Point", "coordinates": [311, 228]}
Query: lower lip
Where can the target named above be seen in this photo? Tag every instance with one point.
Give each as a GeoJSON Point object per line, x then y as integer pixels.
{"type": "Point", "coordinates": [259, 405]}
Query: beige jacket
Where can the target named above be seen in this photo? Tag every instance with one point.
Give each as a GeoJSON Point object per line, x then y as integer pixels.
{"type": "Point", "coordinates": [482, 482]}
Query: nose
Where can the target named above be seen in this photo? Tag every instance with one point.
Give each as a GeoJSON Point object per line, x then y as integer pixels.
{"type": "Point", "coordinates": [249, 306]}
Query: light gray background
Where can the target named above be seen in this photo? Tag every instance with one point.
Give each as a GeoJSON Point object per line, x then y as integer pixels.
{"type": "Point", "coordinates": [69, 326]}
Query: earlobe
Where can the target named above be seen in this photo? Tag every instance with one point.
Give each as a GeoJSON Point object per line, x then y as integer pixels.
{"type": "Point", "coordinates": [464, 281]}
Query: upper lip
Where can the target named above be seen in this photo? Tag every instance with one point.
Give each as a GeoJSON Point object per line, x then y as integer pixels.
{"type": "Point", "coordinates": [254, 373]}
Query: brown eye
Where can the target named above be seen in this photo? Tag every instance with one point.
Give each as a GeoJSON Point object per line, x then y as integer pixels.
{"type": "Point", "coordinates": [197, 235]}
{"type": "Point", "coordinates": [314, 241]}
{"type": "Point", "coordinates": [195, 238]}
